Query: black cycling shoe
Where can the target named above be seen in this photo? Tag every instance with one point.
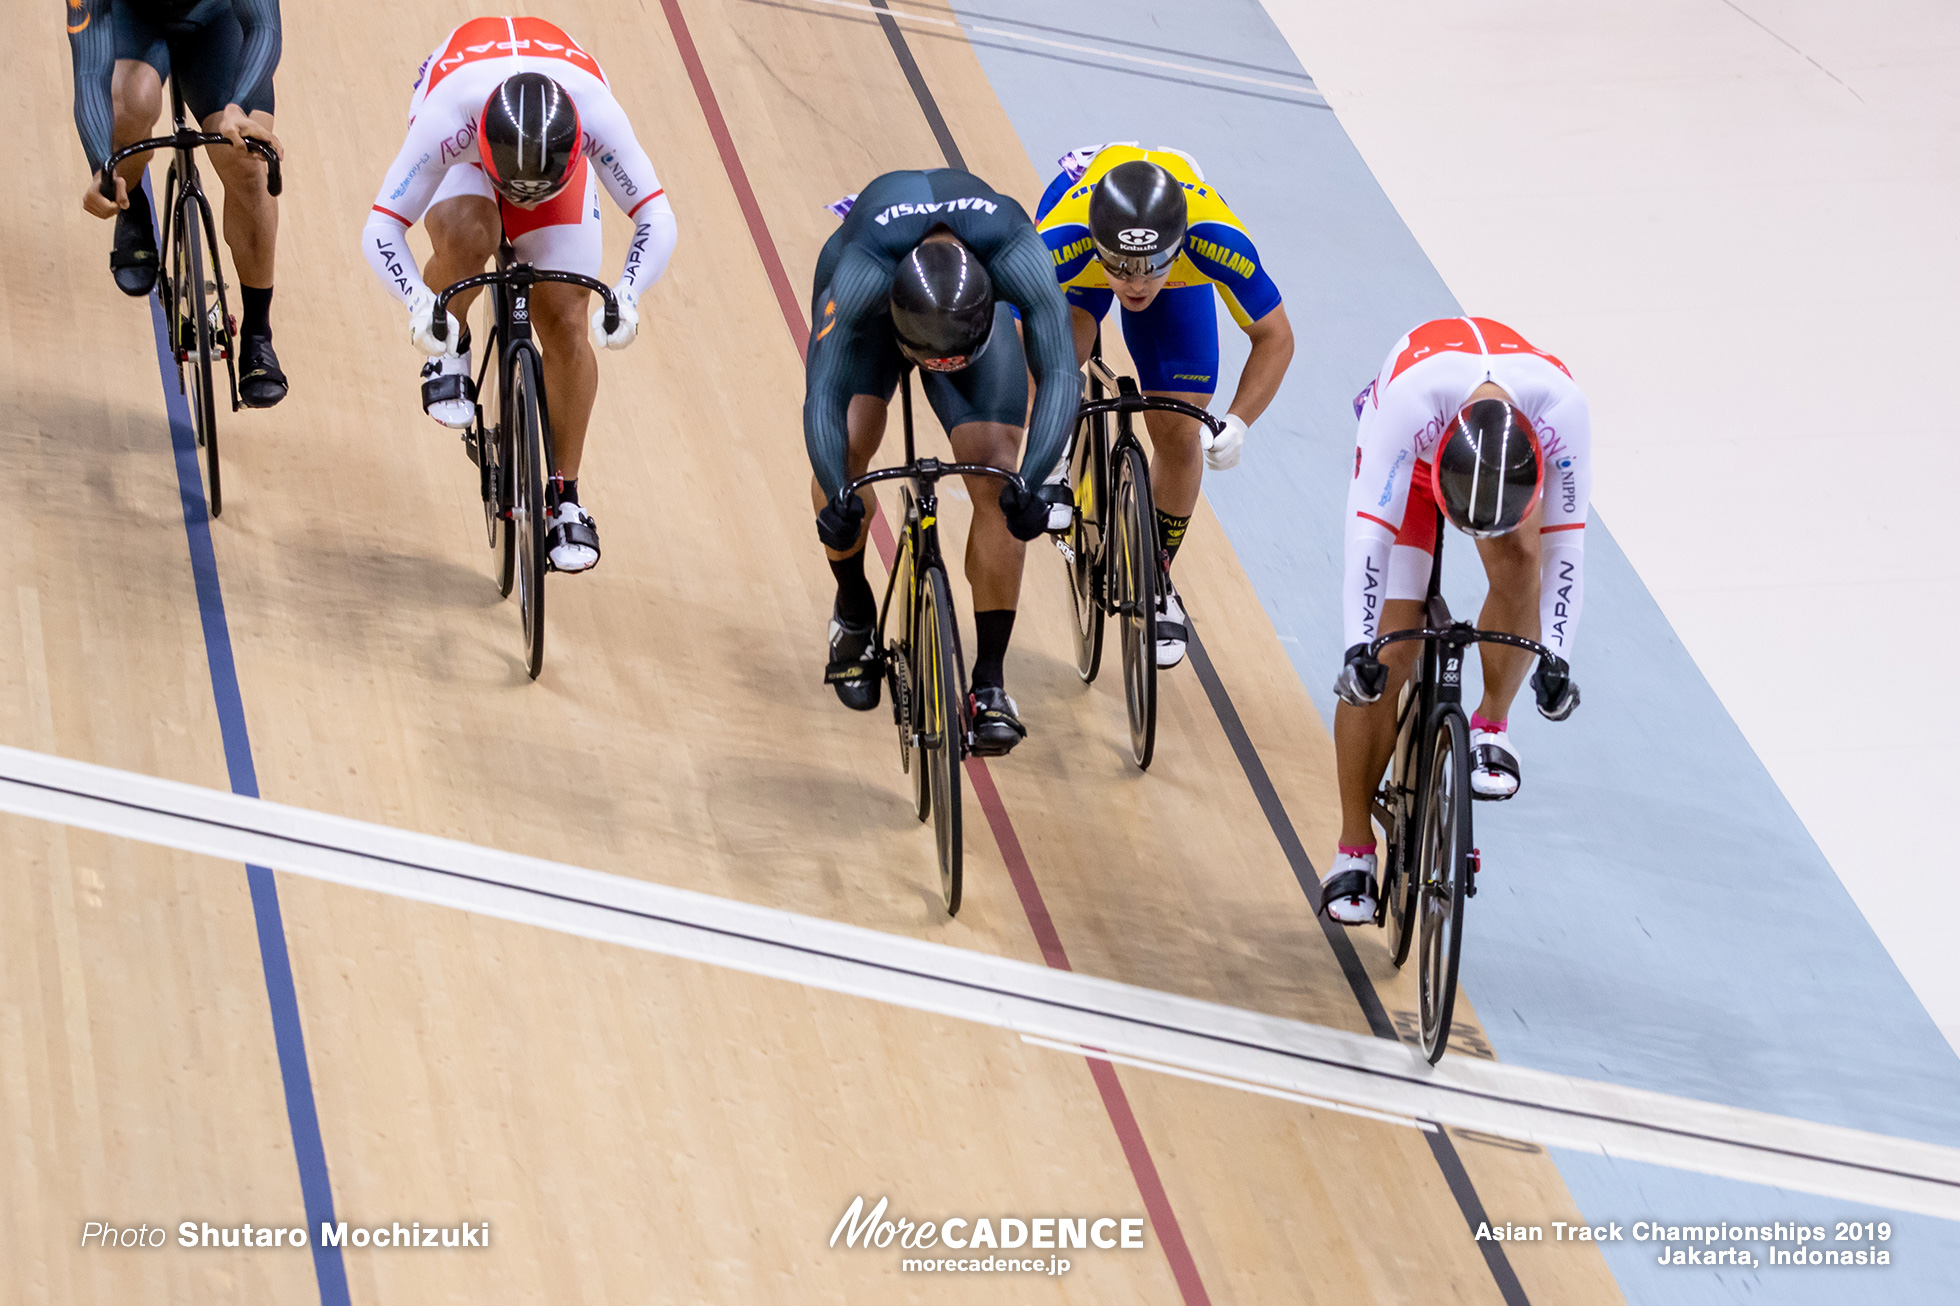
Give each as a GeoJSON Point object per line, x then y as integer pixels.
{"type": "Point", "coordinates": [133, 258]}
{"type": "Point", "coordinates": [854, 671]}
{"type": "Point", "coordinates": [260, 382]}
{"type": "Point", "coordinates": [996, 726]}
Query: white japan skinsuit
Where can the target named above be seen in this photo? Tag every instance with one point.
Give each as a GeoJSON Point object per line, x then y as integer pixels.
{"type": "Point", "coordinates": [438, 160]}
{"type": "Point", "coordinates": [1427, 379]}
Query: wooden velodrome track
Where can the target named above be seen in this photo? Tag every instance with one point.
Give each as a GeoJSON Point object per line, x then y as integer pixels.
{"type": "Point", "coordinates": [635, 1128]}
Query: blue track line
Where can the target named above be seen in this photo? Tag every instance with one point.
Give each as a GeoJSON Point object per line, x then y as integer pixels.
{"type": "Point", "coordinates": [315, 1189]}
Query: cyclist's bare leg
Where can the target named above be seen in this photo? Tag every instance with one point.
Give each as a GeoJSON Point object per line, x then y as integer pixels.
{"type": "Point", "coordinates": [1364, 737]}
{"type": "Point", "coordinates": [561, 315]}
{"type": "Point", "coordinates": [1177, 455]}
{"type": "Point", "coordinates": [1511, 562]}
{"type": "Point", "coordinates": [137, 94]}
{"type": "Point", "coordinates": [251, 215]}
{"type": "Point", "coordinates": [865, 423]}
{"type": "Point", "coordinates": [993, 556]}
{"type": "Point", "coordinates": [463, 234]}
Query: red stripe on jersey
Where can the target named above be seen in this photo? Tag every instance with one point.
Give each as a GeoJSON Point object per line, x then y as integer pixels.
{"type": "Point", "coordinates": [506, 38]}
{"type": "Point", "coordinates": [392, 214]}
{"type": "Point", "coordinates": [1570, 526]}
{"type": "Point", "coordinates": [643, 203]}
{"type": "Point", "coordinates": [1378, 521]}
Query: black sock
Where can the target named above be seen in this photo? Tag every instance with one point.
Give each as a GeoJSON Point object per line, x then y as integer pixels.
{"type": "Point", "coordinates": [856, 604]}
{"type": "Point", "coordinates": [258, 307]}
{"type": "Point", "coordinates": [567, 490]}
{"type": "Point", "coordinates": [1170, 532]}
{"type": "Point", "coordinates": [991, 631]}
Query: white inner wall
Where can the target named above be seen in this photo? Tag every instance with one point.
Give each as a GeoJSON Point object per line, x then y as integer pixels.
{"type": "Point", "coordinates": [1745, 243]}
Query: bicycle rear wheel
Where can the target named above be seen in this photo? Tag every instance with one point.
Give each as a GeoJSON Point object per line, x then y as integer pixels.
{"type": "Point", "coordinates": [1443, 870]}
{"type": "Point", "coordinates": [1085, 540]}
{"type": "Point", "coordinates": [527, 502]}
{"type": "Point", "coordinates": [195, 304]}
{"type": "Point", "coordinates": [1133, 594]}
{"type": "Point", "coordinates": [936, 652]}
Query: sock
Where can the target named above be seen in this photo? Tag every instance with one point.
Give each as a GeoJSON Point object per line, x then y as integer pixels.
{"type": "Point", "coordinates": [258, 307]}
{"type": "Point", "coordinates": [1170, 531]}
{"type": "Point", "coordinates": [856, 604]}
{"type": "Point", "coordinates": [462, 341]}
{"type": "Point", "coordinates": [1478, 721]}
{"type": "Point", "coordinates": [991, 631]}
{"type": "Point", "coordinates": [568, 490]}
{"type": "Point", "coordinates": [1357, 849]}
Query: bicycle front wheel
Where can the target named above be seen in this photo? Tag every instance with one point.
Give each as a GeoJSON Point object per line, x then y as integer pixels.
{"type": "Point", "coordinates": [527, 511]}
{"type": "Point", "coordinates": [1443, 879]}
{"type": "Point", "coordinates": [942, 717]}
{"type": "Point", "coordinates": [1133, 594]}
{"type": "Point", "coordinates": [196, 302]}
{"type": "Point", "coordinates": [1085, 547]}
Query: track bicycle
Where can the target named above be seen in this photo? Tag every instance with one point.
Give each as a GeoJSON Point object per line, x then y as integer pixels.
{"type": "Point", "coordinates": [195, 308]}
{"type": "Point", "coordinates": [1423, 805]}
{"type": "Point", "coordinates": [513, 454]}
{"type": "Point", "coordinates": [918, 648]}
{"type": "Point", "coordinates": [1117, 567]}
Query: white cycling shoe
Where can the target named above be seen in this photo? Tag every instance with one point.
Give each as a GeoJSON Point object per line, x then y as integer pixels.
{"type": "Point", "coordinates": [1493, 766]}
{"type": "Point", "coordinates": [1173, 631]}
{"type": "Point", "coordinates": [449, 391]}
{"type": "Point", "coordinates": [1347, 892]}
{"type": "Point", "coordinates": [573, 538]}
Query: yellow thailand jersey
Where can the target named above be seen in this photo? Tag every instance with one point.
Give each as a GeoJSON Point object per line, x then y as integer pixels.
{"type": "Point", "coordinates": [1217, 249]}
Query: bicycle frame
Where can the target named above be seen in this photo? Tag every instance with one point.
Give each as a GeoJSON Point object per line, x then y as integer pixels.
{"type": "Point", "coordinates": [510, 330]}
{"type": "Point", "coordinates": [1107, 393]}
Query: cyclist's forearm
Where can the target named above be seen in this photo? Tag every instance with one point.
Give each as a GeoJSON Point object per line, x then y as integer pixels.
{"type": "Point", "coordinates": [1561, 588]}
{"type": "Point", "coordinates": [385, 242]}
{"type": "Point", "coordinates": [825, 437]}
{"type": "Point", "coordinates": [652, 246]}
{"type": "Point", "coordinates": [1364, 580]}
{"type": "Point", "coordinates": [92, 49]}
{"type": "Point", "coordinates": [1265, 368]}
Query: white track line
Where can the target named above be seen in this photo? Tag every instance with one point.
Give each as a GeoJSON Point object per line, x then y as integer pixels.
{"type": "Point", "coordinates": [1318, 1103]}
{"type": "Point", "coordinates": [1060, 1006]}
{"type": "Point", "coordinates": [1307, 94]}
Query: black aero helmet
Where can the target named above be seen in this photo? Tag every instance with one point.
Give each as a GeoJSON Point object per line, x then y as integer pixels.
{"type": "Point", "coordinates": [1137, 215]}
{"type": "Point", "coordinates": [942, 306]}
{"type": "Point", "coordinates": [528, 138]}
{"type": "Point", "coordinates": [1489, 470]}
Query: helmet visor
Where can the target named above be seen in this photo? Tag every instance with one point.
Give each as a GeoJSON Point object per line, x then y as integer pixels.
{"type": "Point", "coordinates": [933, 361]}
{"type": "Point", "coordinates": [1135, 266]}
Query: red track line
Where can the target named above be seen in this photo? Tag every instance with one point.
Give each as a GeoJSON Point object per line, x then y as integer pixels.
{"type": "Point", "coordinates": [738, 177]}
{"type": "Point", "coordinates": [1156, 1203]}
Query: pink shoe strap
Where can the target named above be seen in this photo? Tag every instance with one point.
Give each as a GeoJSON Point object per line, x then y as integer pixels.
{"type": "Point", "coordinates": [1357, 849]}
{"type": "Point", "coordinates": [1478, 721]}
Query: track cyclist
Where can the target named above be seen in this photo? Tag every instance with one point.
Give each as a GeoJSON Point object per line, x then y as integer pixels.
{"type": "Point", "coordinates": [512, 130]}
{"type": "Point", "coordinates": [1468, 416]}
{"type": "Point", "coordinates": [931, 267]}
{"type": "Point", "coordinates": [1145, 229]}
{"type": "Point", "coordinates": [222, 54]}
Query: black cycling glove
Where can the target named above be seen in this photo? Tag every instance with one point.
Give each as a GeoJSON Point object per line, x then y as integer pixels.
{"type": "Point", "coordinates": [840, 520]}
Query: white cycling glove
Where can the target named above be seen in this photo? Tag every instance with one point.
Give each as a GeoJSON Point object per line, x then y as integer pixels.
{"type": "Point", "coordinates": [1222, 450]}
{"type": "Point", "coordinates": [629, 322]}
{"type": "Point", "coordinates": [421, 326]}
